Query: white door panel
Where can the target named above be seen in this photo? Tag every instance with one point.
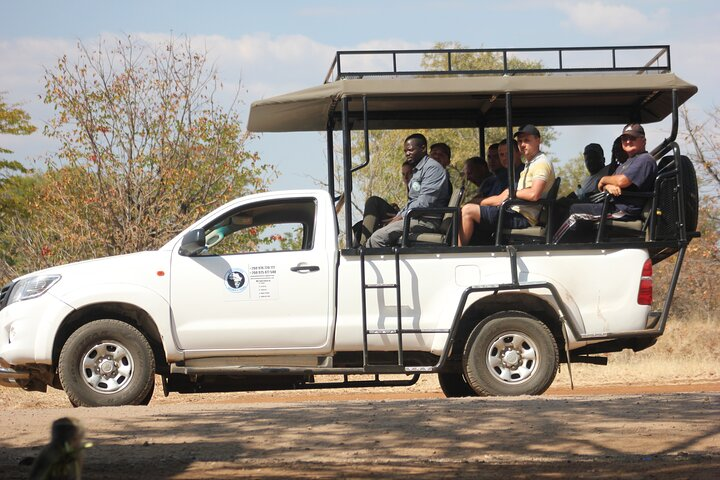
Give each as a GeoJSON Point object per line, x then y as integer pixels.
{"type": "Point", "coordinates": [236, 296]}
{"type": "Point", "coordinates": [250, 301]}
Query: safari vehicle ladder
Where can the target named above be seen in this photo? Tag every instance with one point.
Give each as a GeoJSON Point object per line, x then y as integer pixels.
{"type": "Point", "coordinates": [381, 367]}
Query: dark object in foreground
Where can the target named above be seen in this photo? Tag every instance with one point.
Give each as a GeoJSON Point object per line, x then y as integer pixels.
{"type": "Point", "coordinates": [61, 459]}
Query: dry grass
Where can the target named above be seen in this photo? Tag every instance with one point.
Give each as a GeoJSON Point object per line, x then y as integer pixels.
{"type": "Point", "coordinates": [688, 352]}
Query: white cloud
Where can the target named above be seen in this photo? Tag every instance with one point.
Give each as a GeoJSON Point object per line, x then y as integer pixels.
{"type": "Point", "coordinates": [24, 61]}
{"type": "Point", "coordinates": [605, 18]}
{"type": "Point", "coordinates": [265, 65]}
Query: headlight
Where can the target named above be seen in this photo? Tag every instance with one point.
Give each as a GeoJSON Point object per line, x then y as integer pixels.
{"type": "Point", "coordinates": [32, 287]}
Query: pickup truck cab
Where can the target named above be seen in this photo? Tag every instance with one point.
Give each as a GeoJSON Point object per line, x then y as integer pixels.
{"type": "Point", "coordinates": [267, 292]}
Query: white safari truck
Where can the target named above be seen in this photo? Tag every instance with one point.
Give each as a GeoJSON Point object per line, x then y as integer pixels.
{"type": "Point", "coordinates": [219, 309]}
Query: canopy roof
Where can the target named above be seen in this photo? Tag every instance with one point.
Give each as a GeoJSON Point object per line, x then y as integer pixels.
{"type": "Point", "coordinates": [472, 101]}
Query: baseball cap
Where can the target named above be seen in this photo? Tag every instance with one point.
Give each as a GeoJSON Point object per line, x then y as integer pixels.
{"type": "Point", "coordinates": [531, 129]}
{"type": "Point", "coordinates": [634, 130]}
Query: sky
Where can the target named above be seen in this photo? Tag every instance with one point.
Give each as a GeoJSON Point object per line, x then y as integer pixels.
{"type": "Point", "coordinates": [273, 47]}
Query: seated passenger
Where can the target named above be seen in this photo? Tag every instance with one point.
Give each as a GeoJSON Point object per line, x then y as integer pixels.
{"type": "Point", "coordinates": [587, 191]}
{"type": "Point", "coordinates": [595, 164]}
{"type": "Point", "coordinates": [429, 187]}
{"type": "Point", "coordinates": [493, 159]}
{"type": "Point", "coordinates": [499, 182]}
{"type": "Point", "coordinates": [441, 153]}
{"type": "Point", "coordinates": [378, 211]}
{"type": "Point", "coordinates": [635, 174]}
{"type": "Point", "coordinates": [535, 181]}
{"type": "Point", "coordinates": [477, 177]}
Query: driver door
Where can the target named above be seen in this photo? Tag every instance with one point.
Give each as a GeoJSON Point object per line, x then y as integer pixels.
{"type": "Point", "coordinates": [263, 282]}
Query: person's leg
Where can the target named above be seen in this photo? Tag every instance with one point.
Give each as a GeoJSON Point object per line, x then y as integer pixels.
{"type": "Point", "coordinates": [390, 234]}
{"type": "Point", "coordinates": [579, 229]}
{"type": "Point", "coordinates": [587, 208]}
{"type": "Point", "coordinates": [376, 210]}
{"type": "Point", "coordinates": [469, 216]}
{"type": "Point", "coordinates": [485, 229]}
{"type": "Point", "coordinates": [386, 236]}
{"type": "Point", "coordinates": [421, 225]}
{"type": "Point", "coordinates": [514, 220]}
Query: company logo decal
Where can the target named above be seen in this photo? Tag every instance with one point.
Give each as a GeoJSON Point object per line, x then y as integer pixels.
{"type": "Point", "coordinates": [236, 280]}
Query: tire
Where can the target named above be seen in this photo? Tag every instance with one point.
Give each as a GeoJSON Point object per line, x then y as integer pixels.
{"type": "Point", "coordinates": [510, 353]}
{"type": "Point", "coordinates": [107, 363]}
{"type": "Point", "coordinates": [454, 385]}
{"type": "Point", "coordinates": [148, 397]}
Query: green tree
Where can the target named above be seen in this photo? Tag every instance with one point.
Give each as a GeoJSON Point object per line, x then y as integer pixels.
{"type": "Point", "coordinates": [145, 149]}
{"type": "Point", "coordinates": [13, 121]}
{"type": "Point", "coordinates": [15, 186]}
{"type": "Point", "coordinates": [572, 174]}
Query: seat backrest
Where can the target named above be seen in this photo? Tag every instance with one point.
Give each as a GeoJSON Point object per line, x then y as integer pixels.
{"type": "Point", "coordinates": [553, 192]}
{"type": "Point", "coordinates": [454, 202]}
{"type": "Point", "coordinates": [551, 197]}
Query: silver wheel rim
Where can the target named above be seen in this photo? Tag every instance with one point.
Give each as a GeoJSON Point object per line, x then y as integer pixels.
{"type": "Point", "coordinates": [107, 367]}
{"type": "Point", "coordinates": [512, 357]}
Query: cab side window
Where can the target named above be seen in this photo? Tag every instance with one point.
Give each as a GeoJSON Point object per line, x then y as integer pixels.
{"type": "Point", "coordinates": [265, 227]}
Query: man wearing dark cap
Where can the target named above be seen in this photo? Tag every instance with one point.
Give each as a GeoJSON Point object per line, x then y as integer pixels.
{"type": "Point", "coordinates": [535, 181]}
{"type": "Point", "coordinates": [636, 174]}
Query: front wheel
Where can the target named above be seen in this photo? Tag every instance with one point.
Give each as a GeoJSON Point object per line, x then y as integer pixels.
{"type": "Point", "coordinates": [107, 363]}
{"type": "Point", "coordinates": [510, 353]}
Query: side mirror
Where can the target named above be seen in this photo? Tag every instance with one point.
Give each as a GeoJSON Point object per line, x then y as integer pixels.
{"type": "Point", "coordinates": [193, 243]}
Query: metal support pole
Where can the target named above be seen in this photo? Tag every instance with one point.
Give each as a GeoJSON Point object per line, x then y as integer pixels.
{"type": "Point", "coordinates": [510, 149]}
{"type": "Point", "coordinates": [330, 159]}
{"type": "Point", "coordinates": [363, 305]}
{"type": "Point", "coordinates": [366, 129]}
{"type": "Point", "coordinates": [671, 290]}
{"type": "Point", "coordinates": [401, 360]}
{"type": "Point", "coordinates": [347, 173]}
{"type": "Point", "coordinates": [481, 142]}
{"type": "Point", "coordinates": [512, 251]}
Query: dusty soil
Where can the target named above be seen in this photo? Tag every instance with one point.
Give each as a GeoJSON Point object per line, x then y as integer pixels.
{"type": "Point", "coordinates": [595, 431]}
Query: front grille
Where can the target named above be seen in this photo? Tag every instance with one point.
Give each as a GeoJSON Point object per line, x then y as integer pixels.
{"type": "Point", "coordinates": [5, 294]}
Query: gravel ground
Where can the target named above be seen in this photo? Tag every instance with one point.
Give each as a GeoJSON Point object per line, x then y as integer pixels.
{"type": "Point", "coordinates": [650, 431]}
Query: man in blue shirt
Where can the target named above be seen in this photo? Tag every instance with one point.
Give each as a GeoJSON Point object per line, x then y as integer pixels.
{"type": "Point", "coordinates": [595, 164]}
{"type": "Point", "coordinates": [636, 174]}
{"type": "Point", "coordinates": [428, 187]}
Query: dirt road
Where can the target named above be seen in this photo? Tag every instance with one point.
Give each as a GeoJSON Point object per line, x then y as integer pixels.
{"type": "Point", "coordinates": [381, 435]}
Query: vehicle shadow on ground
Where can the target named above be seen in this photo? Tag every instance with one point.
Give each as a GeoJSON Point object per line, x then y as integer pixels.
{"type": "Point", "coordinates": [423, 438]}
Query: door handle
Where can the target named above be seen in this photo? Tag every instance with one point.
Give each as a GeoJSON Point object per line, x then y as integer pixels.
{"type": "Point", "coordinates": [305, 268]}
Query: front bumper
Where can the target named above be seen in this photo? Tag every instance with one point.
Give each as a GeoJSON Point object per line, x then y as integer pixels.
{"type": "Point", "coordinates": [10, 377]}
{"type": "Point", "coordinates": [33, 377]}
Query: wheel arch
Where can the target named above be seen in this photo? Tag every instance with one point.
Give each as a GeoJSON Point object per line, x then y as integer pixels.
{"type": "Point", "coordinates": [517, 301]}
{"type": "Point", "coordinates": [124, 312]}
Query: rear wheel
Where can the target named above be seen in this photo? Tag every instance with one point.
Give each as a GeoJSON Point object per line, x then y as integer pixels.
{"type": "Point", "coordinates": [510, 353]}
{"type": "Point", "coordinates": [107, 363]}
{"type": "Point", "coordinates": [454, 385]}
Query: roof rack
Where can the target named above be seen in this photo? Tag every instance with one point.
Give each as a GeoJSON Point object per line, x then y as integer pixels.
{"type": "Point", "coordinates": [551, 60]}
